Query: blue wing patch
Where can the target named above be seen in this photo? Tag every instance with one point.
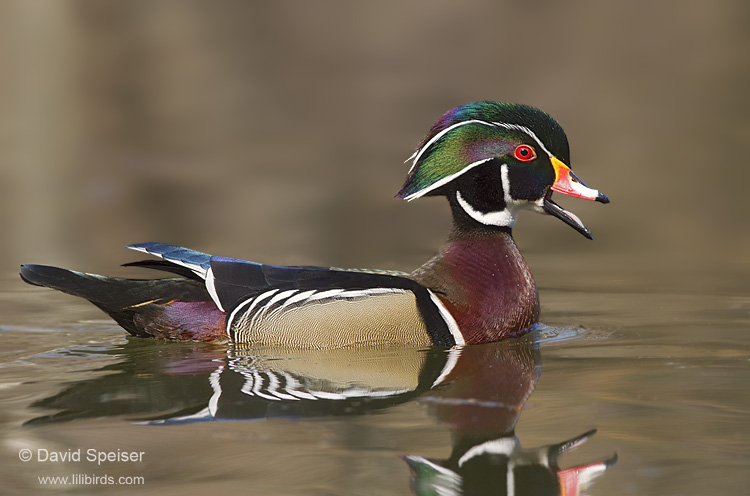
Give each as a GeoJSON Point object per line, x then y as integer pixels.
{"type": "Point", "coordinates": [196, 261]}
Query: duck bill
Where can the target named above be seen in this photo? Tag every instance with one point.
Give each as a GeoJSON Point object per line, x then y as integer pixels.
{"type": "Point", "coordinates": [568, 184]}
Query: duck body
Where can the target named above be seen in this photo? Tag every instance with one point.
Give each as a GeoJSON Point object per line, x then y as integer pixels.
{"type": "Point", "coordinates": [489, 159]}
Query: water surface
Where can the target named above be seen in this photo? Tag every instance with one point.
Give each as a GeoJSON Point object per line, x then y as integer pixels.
{"type": "Point", "coordinates": [659, 376]}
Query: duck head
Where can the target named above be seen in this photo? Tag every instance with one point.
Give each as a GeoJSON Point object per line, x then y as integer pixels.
{"type": "Point", "coordinates": [494, 159]}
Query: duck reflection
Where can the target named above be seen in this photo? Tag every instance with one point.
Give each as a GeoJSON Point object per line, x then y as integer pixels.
{"type": "Point", "coordinates": [253, 384]}
{"type": "Point", "coordinates": [477, 392]}
{"type": "Point", "coordinates": [481, 401]}
{"type": "Point", "coordinates": [502, 466]}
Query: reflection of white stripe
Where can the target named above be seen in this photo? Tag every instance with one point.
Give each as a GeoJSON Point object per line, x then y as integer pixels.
{"type": "Point", "coordinates": [449, 320]}
{"type": "Point", "coordinates": [367, 393]}
{"type": "Point", "coordinates": [325, 395]}
{"type": "Point", "coordinates": [450, 364]}
{"type": "Point", "coordinates": [503, 446]}
{"type": "Point", "coordinates": [213, 380]}
{"type": "Point", "coordinates": [267, 384]}
{"type": "Point", "coordinates": [273, 387]}
{"type": "Point", "coordinates": [291, 387]}
{"type": "Point", "coordinates": [453, 478]}
{"type": "Point", "coordinates": [303, 395]}
{"type": "Point", "coordinates": [356, 393]}
{"type": "Point", "coordinates": [590, 472]}
{"type": "Point", "coordinates": [258, 387]}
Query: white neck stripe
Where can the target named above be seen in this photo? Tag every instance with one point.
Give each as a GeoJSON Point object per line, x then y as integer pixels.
{"type": "Point", "coordinates": [499, 218]}
{"type": "Point", "coordinates": [505, 180]}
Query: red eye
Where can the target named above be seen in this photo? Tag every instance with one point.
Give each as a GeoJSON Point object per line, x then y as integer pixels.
{"type": "Point", "coordinates": [524, 153]}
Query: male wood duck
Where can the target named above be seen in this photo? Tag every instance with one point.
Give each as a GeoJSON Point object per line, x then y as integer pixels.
{"type": "Point", "coordinates": [491, 160]}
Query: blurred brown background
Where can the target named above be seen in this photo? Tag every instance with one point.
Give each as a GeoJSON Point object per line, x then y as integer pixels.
{"type": "Point", "coordinates": [276, 131]}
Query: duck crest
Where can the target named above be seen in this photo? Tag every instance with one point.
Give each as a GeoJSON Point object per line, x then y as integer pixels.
{"type": "Point", "coordinates": [484, 282]}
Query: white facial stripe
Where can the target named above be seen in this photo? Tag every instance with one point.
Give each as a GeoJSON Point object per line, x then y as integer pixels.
{"type": "Point", "coordinates": [418, 154]}
{"type": "Point", "coordinates": [500, 218]}
{"type": "Point", "coordinates": [446, 179]}
{"type": "Point", "coordinates": [526, 130]}
{"type": "Point", "coordinates": [505, 180]}
{"type": "Point", "coordinates": [411, 157]}
{"type": "Point", "coordinates": [440, 135]}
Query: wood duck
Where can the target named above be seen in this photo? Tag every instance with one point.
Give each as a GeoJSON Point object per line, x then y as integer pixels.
{"type": "Point", "coordinates": [491, 160]}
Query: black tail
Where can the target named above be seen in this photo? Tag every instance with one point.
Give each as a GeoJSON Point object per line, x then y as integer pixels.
{"type": "Point", "coordinates": [143, 307]}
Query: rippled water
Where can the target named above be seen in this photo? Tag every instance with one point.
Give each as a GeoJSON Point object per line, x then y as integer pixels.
{"type": "Point", "coordinates": [662, 378]}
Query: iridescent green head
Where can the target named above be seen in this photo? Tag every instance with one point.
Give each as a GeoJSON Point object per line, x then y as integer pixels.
{"type": "Point", "coordinates": [492, 159]}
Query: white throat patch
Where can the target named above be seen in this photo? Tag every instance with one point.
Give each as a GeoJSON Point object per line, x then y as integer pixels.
{"type": "Point", "coordinates": [506, 217]}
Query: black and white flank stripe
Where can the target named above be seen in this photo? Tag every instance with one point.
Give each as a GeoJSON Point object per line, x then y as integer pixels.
{"type": "Point", "coordinates": [252, 293]}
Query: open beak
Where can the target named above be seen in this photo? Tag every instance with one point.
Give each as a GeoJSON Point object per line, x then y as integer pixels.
{"type": "Point", "coordinates": [568, 184]}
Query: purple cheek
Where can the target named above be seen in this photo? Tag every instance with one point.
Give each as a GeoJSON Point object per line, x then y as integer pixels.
{"type": "Point", "coordinates": [482, 149]}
